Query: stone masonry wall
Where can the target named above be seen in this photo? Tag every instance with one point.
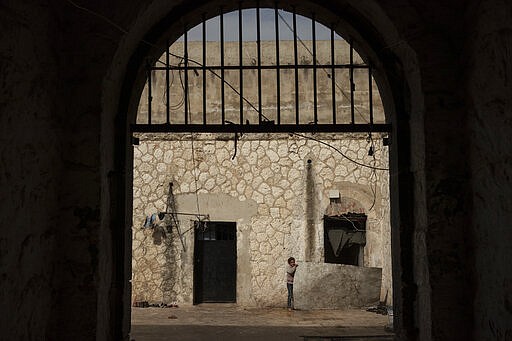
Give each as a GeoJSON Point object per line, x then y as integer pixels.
{"type": "Point", "coordinates": [276, 197]}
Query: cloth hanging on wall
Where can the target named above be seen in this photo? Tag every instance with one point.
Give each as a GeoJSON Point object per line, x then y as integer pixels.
{"type": "Point", "coordinates": [338, 238]}
{"type": "Point", "coordinates": [150, 221]}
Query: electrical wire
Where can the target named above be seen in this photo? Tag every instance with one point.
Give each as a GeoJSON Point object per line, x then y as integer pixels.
{"type": "Point", "coordinates": [373, 175]}
{"type": "Point", "coordinates": [195, 176]}
{"type": "Point", "coordinates": [374, 191]}
{"type": "Point", "coordinates": [267, 119]}
{"type": "Point", "coordinates": [107, 20]}
{"type": "Point", "coordinates": [180, 104]}
{"type": "Point", "coordinates": [323, 66]}
{"type": "Point", "coordinates": [193, 152]}
{"type": "Point", "coordinates": [226, 82]}
{"type": "Point", "coordinates": [350, 221]}
{"type": "Point", "coordinates": [340, 152]}
{"type": "Point", "coordinates": [98, 15]}
{"type": "Point", "coordinates": [166, 93]}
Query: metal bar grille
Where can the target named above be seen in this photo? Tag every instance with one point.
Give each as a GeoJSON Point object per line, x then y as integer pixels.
{"type": "Point", "coordinates": [167, 86]}
{"type": "Point", "coordinates": [333, 79]}
{"type": "Point", "coordinates": [263, 67]}
{"type": "Point", "coordinates": [315, 80]}
{"type": "Point", "coordinates": [204, 68]}
{"type": "Point", "coordinates": [260, 128]}
{"type": "Point", "coordinates": [278, 66]}
{"type": "Point", "coordinates": [352, 85]}
{"type": "Point", "coordinates": [150, 97]}
{"type": "Point", "coordinates": [296, 59]}
{"type": "Point", "coordinates": [370, 93]}
{"type": "Point", "coordinates": [258, 42]}
{"type": "Point", "coordinates": [241, 63]}
{"type": "Point", "coordinates": [185, 87]}
{"type": "Point", "coordinates": [287, 93]}
{"type": "Point", "coordinates": [222, 80]}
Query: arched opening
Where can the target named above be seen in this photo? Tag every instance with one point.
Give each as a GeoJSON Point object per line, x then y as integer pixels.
{"type": "Point", "coordinates": [389, 103]}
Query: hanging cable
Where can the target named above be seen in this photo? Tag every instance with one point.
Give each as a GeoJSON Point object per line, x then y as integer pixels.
{"type": "Point", "coordinates": [323, 66]}
{"type": "Point", "coordinates": [340, 152]}
{"type": "Point", "coordinates": [185, 88]}
{"type": "Point", "coordinates": [373, 175]}
{"type": "Point", "coordinates": [181, 101]}
{"type": "Point", "coordinates": [235, 142]}
{"type": "Point", "coordinates": [346, 97]}
{"type": "Point", "coordinates": [345, 218]}
{"type": "Point", "coordinates": [372, 147]}
{"type": "Point", "coordinates": [226, 82]}
{"type": "Point", "coordinates": [296, 134]}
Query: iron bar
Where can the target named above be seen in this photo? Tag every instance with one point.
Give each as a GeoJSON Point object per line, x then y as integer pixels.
{"type": "Point", "coordinates": [204, 68]}
{"type": "Point", "coordinates": [150, 98]}
{"type": "Point", "coordinates": [258, 42]}
{"type": "Point", "coordinates": [241, 63]}
{"type": "Point", "coordinates": [352, 85]}
{"type": "Point", "coordinates": [370, 93]}
{"type": "Point", "coordinates": [189, 214]}
{"type": "Point", "coordinates": [333, 78]}
{"type": "Point", "coordinates": [167, 86]}
{"type": "Point", "coordinates": [278, 64]}
{"type": "Point", "coordinates": [220, 72]}
{"type": "Point", "coordinates": [185, 87]}
{"type": "Point", "coordinates": [260, 128]}
{"type": "Point", "coordinates": [315, 88]}
{"type": "Point", "coordinates": [296, 58]}
{"type": "Point", "coordinates": [223, 106]}
{"type": "Point", "coordinates": [263, 67]}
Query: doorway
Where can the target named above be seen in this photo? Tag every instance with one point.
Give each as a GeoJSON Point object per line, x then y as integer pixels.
{"type": "Point", "coordinates": [215, 262]}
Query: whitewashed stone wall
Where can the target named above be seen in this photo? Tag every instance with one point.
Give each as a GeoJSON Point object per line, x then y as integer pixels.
{"type": "Point", "coordinates": [264, 189]}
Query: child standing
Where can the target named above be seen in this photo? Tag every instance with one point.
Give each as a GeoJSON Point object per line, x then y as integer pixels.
{"type": "Point", "coordinates": [290, 274]}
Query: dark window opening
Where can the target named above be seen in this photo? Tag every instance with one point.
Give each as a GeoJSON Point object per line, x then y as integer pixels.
{"type": "Point", "coordinates": [345, 238]}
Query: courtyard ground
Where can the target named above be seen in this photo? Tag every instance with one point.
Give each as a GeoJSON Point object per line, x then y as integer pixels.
{"type": "Point", "coordinates": [229, 322]}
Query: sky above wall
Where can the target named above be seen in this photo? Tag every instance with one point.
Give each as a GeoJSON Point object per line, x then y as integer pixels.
{"type": "Point", "coordinates": [267, 27]}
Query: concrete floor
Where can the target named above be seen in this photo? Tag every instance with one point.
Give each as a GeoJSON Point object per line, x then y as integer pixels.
{"type": "Point", "coordinates": [228, 322]}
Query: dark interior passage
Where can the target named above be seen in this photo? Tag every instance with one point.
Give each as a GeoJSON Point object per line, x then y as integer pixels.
{"type": "Point", "coordinates": [215, 262]}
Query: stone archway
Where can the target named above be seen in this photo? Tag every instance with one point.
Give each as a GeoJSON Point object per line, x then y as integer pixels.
{"type": "Point", "coordinates": [394, 102]}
